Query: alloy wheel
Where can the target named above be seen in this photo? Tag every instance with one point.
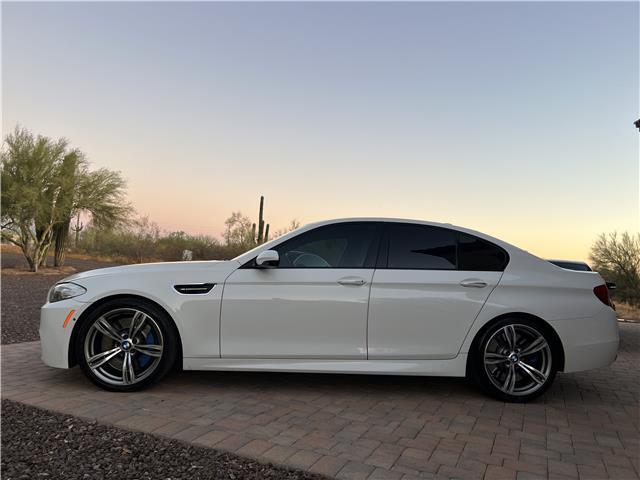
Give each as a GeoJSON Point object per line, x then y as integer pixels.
{"type": "Point", "coordinates": [123, 346]}
{"type": "Point", "coordinates": [517, 359]}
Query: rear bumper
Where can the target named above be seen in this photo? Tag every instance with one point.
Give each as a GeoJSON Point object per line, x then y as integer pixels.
{"type": "Point", "coordinates": [54, 335]}
{"type": "Point", "coordinates": [590, 342]}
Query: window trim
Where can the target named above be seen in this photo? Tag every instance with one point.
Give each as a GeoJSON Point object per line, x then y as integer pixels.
{"type": "Point", "coordinates": [370, 260]}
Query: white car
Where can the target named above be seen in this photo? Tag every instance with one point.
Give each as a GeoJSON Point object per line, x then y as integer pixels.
{"type": "Point", "coordinates": [376, 296]}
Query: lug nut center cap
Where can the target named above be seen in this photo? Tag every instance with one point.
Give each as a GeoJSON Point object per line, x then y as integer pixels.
{"type": "Point", "coordinates": [513, 358]}
{"type": "Point", "coordinates": [126, 345]}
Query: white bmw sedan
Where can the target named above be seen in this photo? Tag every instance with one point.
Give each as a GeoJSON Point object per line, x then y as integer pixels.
{"type": "Point", "coordinates": [376, 296]}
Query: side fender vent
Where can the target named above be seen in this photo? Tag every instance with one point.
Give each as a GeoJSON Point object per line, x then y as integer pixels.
{"type": "Point", "coordinates": [194, 288]}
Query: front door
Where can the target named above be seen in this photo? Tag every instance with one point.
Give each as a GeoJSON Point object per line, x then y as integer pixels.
{"type": "Point", "coordinates": [312, 305]}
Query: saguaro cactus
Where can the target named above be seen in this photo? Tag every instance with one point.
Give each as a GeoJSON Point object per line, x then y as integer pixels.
{"type": "Point", "coordinates": [77, 228]}
{"type": "Point", "coordinates": [266, 233]}
{"type": "Point", "coordinates": [261, 221]}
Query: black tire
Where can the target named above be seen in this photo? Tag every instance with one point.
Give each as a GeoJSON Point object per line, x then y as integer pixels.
{"type": "Point", "coordinates": [493, 374]}
{"type": "Point", "coordinates": [157, 325]}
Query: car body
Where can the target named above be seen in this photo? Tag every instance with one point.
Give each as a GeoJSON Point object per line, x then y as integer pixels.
{"type": "Point", "coordinates": [363, 295]}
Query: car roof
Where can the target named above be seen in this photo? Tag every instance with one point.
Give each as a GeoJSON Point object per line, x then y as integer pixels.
{"type": "Point", "coordinates": [382, 219]}
{"type": "Point", "coordinates": [412, 220]}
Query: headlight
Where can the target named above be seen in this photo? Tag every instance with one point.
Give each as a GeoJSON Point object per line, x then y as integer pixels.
{"type": "Point", "coordinates": [62, 291]}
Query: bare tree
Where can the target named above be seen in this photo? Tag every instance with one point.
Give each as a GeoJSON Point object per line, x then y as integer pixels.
{"type": "Point", "coordinates": [238, 230]}
{"type": "Point", "coordinates": [617, 257]}
{"type": "Point", "coordinates": [294, 225]}
{"type": "Point", "coordinates": [145, 237]}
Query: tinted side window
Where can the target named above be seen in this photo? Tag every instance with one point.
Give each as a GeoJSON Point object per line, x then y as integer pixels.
{"type": "Point", "coordinates": [421, 247]}
{"type": "Point", "coordinates": [342, 245]}
{"type": "Point", "coordinates": [480, 255]}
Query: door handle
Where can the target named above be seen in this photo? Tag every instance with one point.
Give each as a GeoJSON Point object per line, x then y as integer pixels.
{"type": "Point", "coordinates": [352, 281]}
{"type": "Point", "coordinates": [473, 283]}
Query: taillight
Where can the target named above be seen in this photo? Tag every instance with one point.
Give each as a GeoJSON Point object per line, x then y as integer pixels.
{"type": "Point", "coordinates": [602, 292]}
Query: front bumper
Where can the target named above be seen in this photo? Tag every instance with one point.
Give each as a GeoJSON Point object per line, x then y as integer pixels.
{"type": "Point", "coordinates": [591, 342]}
{"type": "Point", "coordinates": [54, 335]}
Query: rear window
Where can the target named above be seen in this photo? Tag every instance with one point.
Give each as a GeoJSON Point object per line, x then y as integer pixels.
{"type": "Point", "coordinates": [581, 267]}
{"type": "Point", "coordinates": [479, 255]}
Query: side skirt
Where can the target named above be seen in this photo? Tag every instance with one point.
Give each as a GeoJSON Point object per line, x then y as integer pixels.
{"type": "Point", "coordinates": [454, 367]}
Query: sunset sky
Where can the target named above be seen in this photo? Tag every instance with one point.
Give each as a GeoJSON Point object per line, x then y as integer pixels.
{"type": "Point", "coordinates": [514, 119]}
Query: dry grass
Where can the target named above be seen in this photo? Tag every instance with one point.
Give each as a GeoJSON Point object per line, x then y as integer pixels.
{"type": "Point", "coordinates": [5, 248]}
{"type": "Point", "coordinates": [627, 312]}
{"type": "Point", "coordinates": [41, 271]}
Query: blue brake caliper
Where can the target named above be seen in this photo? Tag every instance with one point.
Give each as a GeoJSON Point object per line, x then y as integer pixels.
{"type": "Point", "coordinates": [143, 360]}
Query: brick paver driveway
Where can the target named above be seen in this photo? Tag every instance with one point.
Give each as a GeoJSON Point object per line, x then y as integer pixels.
{"type": "Point", "coordinates": [370, 427]}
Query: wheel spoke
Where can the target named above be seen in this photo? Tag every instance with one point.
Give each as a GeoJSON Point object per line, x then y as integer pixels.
{"type": "Point", "coordinates": [151, 350]}
{"type": "Point", "coordinates": [102, 358]}
{"type": "Point", "coordinates": [105, 328]}
{"type": "Point", "coordinates": [510, 382]}
{"type": "Point", "coordinates": [128, 375]}
{"type": "Point", "coordinates": [535, 346]}
{"type": "Point", "coordinates": [534, 373]}
{"type": "Point", "coordinates": [510, 336]}
{"type": "Point", "coordinates": [493, 358]}
{"type": "Point", "coordinates": [136, 323]}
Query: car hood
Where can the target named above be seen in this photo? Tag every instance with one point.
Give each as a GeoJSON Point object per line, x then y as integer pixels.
{"type": "Point", "coordinates": [158, 268]}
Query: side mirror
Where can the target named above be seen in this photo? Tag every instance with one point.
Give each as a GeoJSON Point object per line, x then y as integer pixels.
{"type": "Point", "coordinates": [267, 259]}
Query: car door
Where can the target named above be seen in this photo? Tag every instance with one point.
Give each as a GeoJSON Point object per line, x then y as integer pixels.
{"type": "Point", "coordinates": [430, 285]}
{"type": "Point", "coordinates": [312, 305]}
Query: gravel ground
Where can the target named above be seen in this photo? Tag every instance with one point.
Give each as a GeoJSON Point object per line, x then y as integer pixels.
{"type": "Point", "coordinates": [41, 444]}
{"type": "Point", "coordinates": [24, 294]}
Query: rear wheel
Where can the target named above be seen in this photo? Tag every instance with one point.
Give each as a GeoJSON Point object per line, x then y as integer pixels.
{"type": "Point", "coordinates": [514, 360]}
{"type": "Point", "coordinates": [126, 344]}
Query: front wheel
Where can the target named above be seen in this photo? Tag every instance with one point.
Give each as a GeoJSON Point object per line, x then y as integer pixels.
{"type": "Point", "coordinates": [125, 345]}
{"type": "Point", "coordinates": [514, 361]}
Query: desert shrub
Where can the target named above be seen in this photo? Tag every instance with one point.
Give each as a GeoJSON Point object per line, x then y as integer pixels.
{"type": "Point", "coordinates": [143, 242]}
{"type": "Point", "coordinates": [204, 247]}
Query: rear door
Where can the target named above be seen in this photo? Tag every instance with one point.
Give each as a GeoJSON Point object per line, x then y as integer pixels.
{"type": "Point", "coordinates": [430, 285]}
